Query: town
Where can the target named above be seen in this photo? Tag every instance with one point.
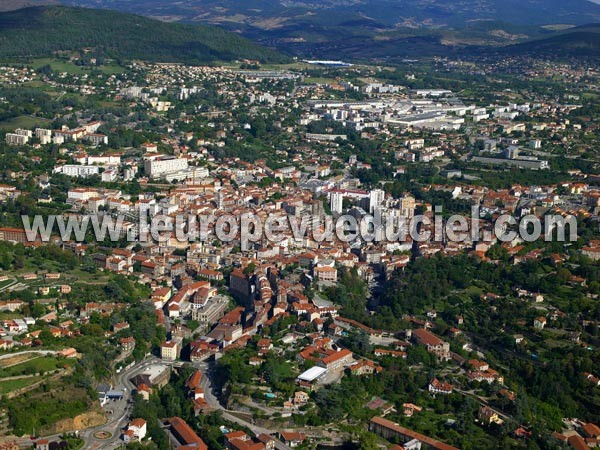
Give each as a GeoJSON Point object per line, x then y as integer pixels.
{"type": "Point", "coordinates": [441, 343]}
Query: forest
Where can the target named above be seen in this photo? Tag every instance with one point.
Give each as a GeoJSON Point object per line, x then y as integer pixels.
{"type": "Point", "coordinates": [41, 31]}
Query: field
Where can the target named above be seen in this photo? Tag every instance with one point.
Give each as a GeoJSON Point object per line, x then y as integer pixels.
{"type": "Point", "coordinates": [37, 365]}
{"type": "Point", "coordinates": [5, 283]}
{"type": "Point", "coordinates": [59, 65]}
{"type": "Point", "coordinates": [27, 122]}
{"type": "Point", "coordinates": [13, 385]}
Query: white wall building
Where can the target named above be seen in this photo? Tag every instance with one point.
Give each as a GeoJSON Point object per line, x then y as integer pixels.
{"type": "Point", "coordinates": [162, 166]}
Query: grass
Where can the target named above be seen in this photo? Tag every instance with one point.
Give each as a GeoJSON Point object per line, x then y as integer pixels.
{"type": "Point", "coordinates": [6, 282]}
{"type": "Point", "coordinates": [27, 122]}
{"type": "Point", "coordinates": [318, 80]}
{"type": "Point", "coordinates": [7, 315]}
{"type": "Point", "coordinates": [13, 385]}
{"type": "Point", "coordinates": [32, 366]}
{"type": "Point", "coordinates": [43, 407]}
{"type": "Point", "coordinates": [59, 65]}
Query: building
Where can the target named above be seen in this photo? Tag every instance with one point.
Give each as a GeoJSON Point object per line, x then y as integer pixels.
{"type": "Point", "coordinates": [337, 360]}
{"type": "Point", "coordinates": [390, 430]}
{"type": "Point", "coordinates": [292, 438]}
{"type": "Point", "coordinates": [439, 387]}
{"type": "Point", "coordinates": [97, 139]}
{"type": "Point", "coordinates": [169, 350]}
{"type": "Point", "coordinates": [74, 170]}
{"type": "Point", "coordinates": [376, 197]}
{"type": "Point", "coordinates": [239, 440]}
{"type": "Point", "coordinates": [45, 136]}
{"type": "Point", "coordinates": [155, 168]}
{"type": "Point", "coordinates": [434, 344]}
{"type": "Point", "coordinates": [136, 431]}
{"type": "Point", "coordinates": [184, 435]}
{"type": "Point", "coordinates": [488, 416]}
{"type": "Point", "coordinates": [16, 139]}
{"type": "Point", "coordinates": [336, 202]}
{"type": "Point", "coordinates": [326, 274]}
{"type": "Point", "coordinates": [40, 444]}
{"type": "Point", "coordinates": [533, 164]}
{"type": "Point", "coordinates": [16, 235]}
{"type": "Point", "coordinates": [127, 343]}
{"type": "Point", "coordinates": [211, 311]}
{"type": "Point", "coordinates": [539, 323]}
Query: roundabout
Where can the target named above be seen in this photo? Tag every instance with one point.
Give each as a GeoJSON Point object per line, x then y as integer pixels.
{"type": "Point", "coordinates": [102, 435]}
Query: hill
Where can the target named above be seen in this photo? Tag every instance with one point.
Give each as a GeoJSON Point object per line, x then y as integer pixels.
{"type": "Point", "coordinates": [268, 14]}
{"type": "Point", "coordinates": [40, 31]}
{"type": "Point", "coordinates": [370, 29]}
{"type": "Point", "coordinates": [583, 41]}
{"type": "Point", "coordinates": [10, 5]}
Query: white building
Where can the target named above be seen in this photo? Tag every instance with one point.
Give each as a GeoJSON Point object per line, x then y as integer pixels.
{"type": "Point", "coordinates": [16, 139]}
{"type": "Point", "coordinates": [166, 165]}
{"type": "Point", "coordinates": [73, 170]}
{"type": "Point", "coordinates": [336, 202]}
{"type": "Point", "coordinates": [45, 136]}
{"type": "Point", "coordinates": [376, 197]}
{"type": "Point", "coordinates": [109, 175]}
{"type": "Point", "coordinates": [81, 194]}
{"type": "Point", "coordinates": [104, 160]}
{"type": "Point", "coordinates": [136, 431]}
{"type": "Point", "coordinates": [97, 139]}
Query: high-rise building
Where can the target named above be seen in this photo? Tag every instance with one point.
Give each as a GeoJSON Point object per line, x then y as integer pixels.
{"type": "Point", "coordinates": [336, 202]}
{"type": "Point", "coordinates": [376, 197]}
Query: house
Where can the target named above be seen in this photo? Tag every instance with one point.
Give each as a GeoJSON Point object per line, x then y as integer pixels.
{"type": "Point", "coordinates": [392, 353]}
{"type": "Point", "coordinates": [267, 440]}
{"type": "Point", "coordinates": [337, 360]}
{"type": "Point", "coordinates": [194, 381]}
{"type": "Point", "coordinates": [169, 350]}
{"type": "Point", "coordinates": [184, 434]}
{"type": "Point", "coordinates": [292, 438]}
{"type": "Point", "coordinates": [136, 431]}
{"type": "Point", "coordinates": [144, 391]}
{"type": "Point", "coordinates": [409, 409]}
{"type": "Point", "coordinates": [591, 430]}
{"type": "Point", "coordinates": [41, 444]}
{"type": "Point", "coordinates": [6, 344]}
{"type": "Point", "coordinates": [478, 365]}
{"type": "Point", "coordinates": [438, 387]}
{"type": "Point", "coordinates": [239, 440]}
{"type": "Point", "coordinates": [488, 416]}
{"type": "Point", "coordinates": [68, 353]}
{"type": "Point", "coordinates": [390, 430]}
{"type": "Point", "coordinates": [519, 338]}
{"type": "Point", "coordinates": [127, 343]}
{"type": "Point", "coordinates": [120, 326]}
{"type": "Point", "coordinates": [539, 323]}
{"type": "Point", "coordinates": [326, 274]}
{"type": "Point", "coordinates": [300, 398]}
{"type": "Point", "coordinates": [489, 375]}
{"type": "Point", "coordinates": [365, 367]}
{"type": "Point", "coordinates": [434, 344]}
{"type": "Point", "coordinates": [264, 345]}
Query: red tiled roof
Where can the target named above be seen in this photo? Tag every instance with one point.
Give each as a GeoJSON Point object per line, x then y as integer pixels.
{"type": "Point", "coordinates": [433, 443]}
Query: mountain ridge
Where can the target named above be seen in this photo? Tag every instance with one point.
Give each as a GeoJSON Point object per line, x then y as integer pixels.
{"type": "Point", "coordinates": [43, 30]}
{"type": "Point", "coordinates": [371, 29]}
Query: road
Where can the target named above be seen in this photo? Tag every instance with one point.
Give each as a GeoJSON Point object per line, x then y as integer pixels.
{"type": "Point", "coordinates": [121, 410]}
{"type": "Point", "coordinates": [28, 352]}
{"type": "Point", "coordinates": [214, 403]}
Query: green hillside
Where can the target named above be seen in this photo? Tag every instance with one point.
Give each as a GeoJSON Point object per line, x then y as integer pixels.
{"type": "Point", "coordinates": [581, 41]}
{"type": "Point", "coordinates": [40, 31]}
